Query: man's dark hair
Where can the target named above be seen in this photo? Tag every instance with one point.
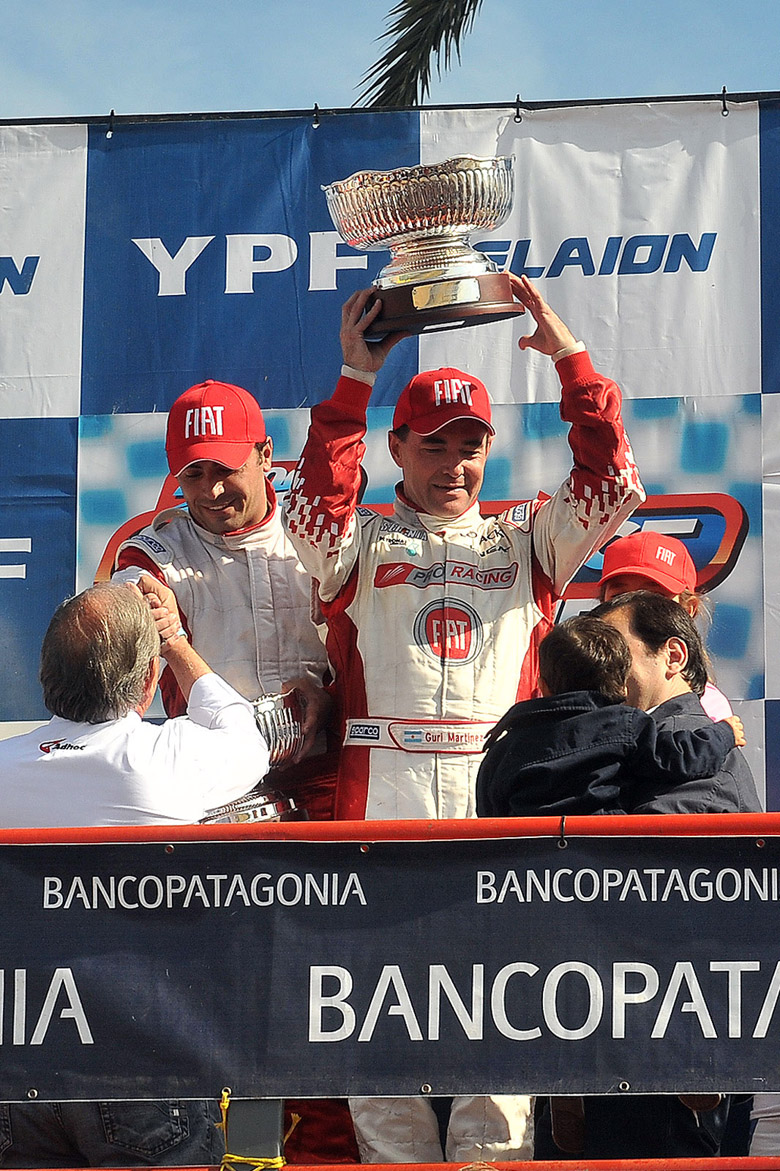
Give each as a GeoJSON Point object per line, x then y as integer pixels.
{"type": "Point", "coordinates": [585, 654]}
{"type": "Point", "coordinates": [654, 619]}
{"type": "Point", "coordinates": [96, 654]}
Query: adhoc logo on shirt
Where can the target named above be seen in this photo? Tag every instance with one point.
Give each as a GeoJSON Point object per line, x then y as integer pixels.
{"type": "Point", "coordinates": [449, 629]}
{"type": "Point", "coordinates": [48, 745]}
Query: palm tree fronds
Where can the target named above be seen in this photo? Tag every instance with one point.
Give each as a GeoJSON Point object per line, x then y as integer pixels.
{"type": "Point", "coordinates": [419, 29]}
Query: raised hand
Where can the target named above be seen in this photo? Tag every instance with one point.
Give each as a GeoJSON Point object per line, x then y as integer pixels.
{"type": "Point", "coordinates": [165, 611]}
{"type": "Point", "coordinates": [358, 353]}
{"type": "Point", "coordinates": [551, 333]}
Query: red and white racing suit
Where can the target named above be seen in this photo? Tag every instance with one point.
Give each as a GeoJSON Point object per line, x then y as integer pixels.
{"type": "Point", "coordinates": [433, 631]}
{"type": "Point", "coordinates": [434, 624]}
{"type": "Point", "coordinates": [244, 598]}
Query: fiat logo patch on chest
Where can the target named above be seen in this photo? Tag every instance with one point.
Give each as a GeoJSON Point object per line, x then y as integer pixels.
{"type": "Point", "coordinates": [449, 630]}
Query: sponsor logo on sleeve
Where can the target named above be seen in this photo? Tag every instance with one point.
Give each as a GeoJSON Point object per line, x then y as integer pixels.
{"type": "Point", "coordinates": [154, 545]}
{"type": "Point", "coordinates": [520, 513]}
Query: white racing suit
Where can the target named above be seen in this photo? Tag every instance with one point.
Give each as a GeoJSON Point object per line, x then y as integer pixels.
{"type": "Point", "coordinates": [245, 602]}
{"type": "Point", "coordinates": [244, 598]}
{"type": "Point", "coordinates": [433, 632]}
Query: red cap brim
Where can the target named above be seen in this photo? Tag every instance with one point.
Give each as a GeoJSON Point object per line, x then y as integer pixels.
{"type": "Point", "coordinates": [230, 455]}
{"type": "Point", "coordinates": [430, 424]}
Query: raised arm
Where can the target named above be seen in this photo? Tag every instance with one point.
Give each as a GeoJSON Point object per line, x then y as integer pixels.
{"type": "Point", "coordinates": [319, 509]}
{"type": "Point", "coordinates": [603, 487]}
{"type": "Point", "coordinates": [218, 747]}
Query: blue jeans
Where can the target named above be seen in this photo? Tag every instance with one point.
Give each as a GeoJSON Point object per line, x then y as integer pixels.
{"type": "Point", "coordinates": [110, 1134]}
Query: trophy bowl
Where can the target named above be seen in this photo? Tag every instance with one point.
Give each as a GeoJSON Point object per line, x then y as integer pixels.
{"type": "Point", "coordinates": [435, 279]}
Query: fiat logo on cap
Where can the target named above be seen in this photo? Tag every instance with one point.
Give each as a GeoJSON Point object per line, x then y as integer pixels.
{"type": "Point", "coordinates": [449, 629]}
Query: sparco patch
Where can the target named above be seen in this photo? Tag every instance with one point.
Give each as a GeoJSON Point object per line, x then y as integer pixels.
{"type": "Point", "coordinates": [364, 731]}
{"type": "Point", "coordinates": [155, 546]}
{"type": "Point", "coordinates": [520, 513]}
{"type": "Point", "coordinates": [449, 630]}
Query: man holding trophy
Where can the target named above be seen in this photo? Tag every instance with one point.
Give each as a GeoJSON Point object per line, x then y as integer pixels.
{"type": "Point", "coordinates": [435, 614]}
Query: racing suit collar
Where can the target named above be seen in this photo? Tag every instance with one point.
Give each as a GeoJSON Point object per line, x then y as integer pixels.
{"type": "Point", "coordinates": [251, 534]}
{"type": "Point", "coordinates": [406, 512]}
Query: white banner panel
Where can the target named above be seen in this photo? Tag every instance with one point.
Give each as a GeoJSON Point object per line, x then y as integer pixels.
{"type": "Point", "coordinates": [43, 172]}
{"type": "Point", "coordinates": [640, 224]}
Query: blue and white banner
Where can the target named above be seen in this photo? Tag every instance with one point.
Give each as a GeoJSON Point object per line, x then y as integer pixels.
{"type": "Point", "coordinates": [135, 265]}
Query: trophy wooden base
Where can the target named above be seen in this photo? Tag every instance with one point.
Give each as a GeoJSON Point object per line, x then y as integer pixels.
{"type": "Point", "coordinates": [444, 304]}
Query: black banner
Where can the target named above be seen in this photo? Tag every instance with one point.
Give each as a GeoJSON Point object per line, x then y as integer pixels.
{"type": "Point", "coordinates": [311, 968]}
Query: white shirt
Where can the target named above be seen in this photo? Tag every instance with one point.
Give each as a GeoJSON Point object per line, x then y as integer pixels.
{"type": "Point", "coordinates": [128, 772]}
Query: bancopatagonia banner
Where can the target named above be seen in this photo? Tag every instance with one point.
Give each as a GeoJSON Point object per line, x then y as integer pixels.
{"type": "Point", "coordinates": [390, 967]}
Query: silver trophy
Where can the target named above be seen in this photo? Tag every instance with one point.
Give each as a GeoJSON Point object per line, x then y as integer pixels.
{"type": "Point", "coordinates": [280, 720]}
{"type": "Point", "coordinates": [261, 804]}
{"type": "Point", "coordinates": [435, 279]}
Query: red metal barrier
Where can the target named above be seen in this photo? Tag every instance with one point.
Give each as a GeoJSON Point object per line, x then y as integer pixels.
{"type": "Point", "coordinates": [758, 1164]}
{"type": "Point", "coordinates": [576, 1164]}
{"type": "Point", "coordinates": [667, 825]}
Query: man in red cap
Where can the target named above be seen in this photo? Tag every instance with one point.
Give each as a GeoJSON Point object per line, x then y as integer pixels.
{"type": "Point", "coordinates": [244, 597]}
{"type": "Point", "coordinates": [652, 561]}
{"type": "Point", "coordinates": [245, 602]}
{"type": "Point", "coordinates": [435, 615]}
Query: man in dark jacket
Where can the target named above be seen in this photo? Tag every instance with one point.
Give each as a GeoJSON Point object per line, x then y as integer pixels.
{"type": "Point", "coordinates": [667, 676]}
{"type": "Point", "coordinates": [581, 748]}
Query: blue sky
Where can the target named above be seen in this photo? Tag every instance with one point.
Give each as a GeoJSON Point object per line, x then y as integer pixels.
{"type": "Point", "coordinates": [61, 58]}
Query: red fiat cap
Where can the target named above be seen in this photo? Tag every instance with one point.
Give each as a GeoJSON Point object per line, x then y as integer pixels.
{"type": "Point", "coordinates": [215, 421]}
{"type": "Point", "coordinates": [435, 398]}
{"type": "Point", "coordinates": [661, 559]}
